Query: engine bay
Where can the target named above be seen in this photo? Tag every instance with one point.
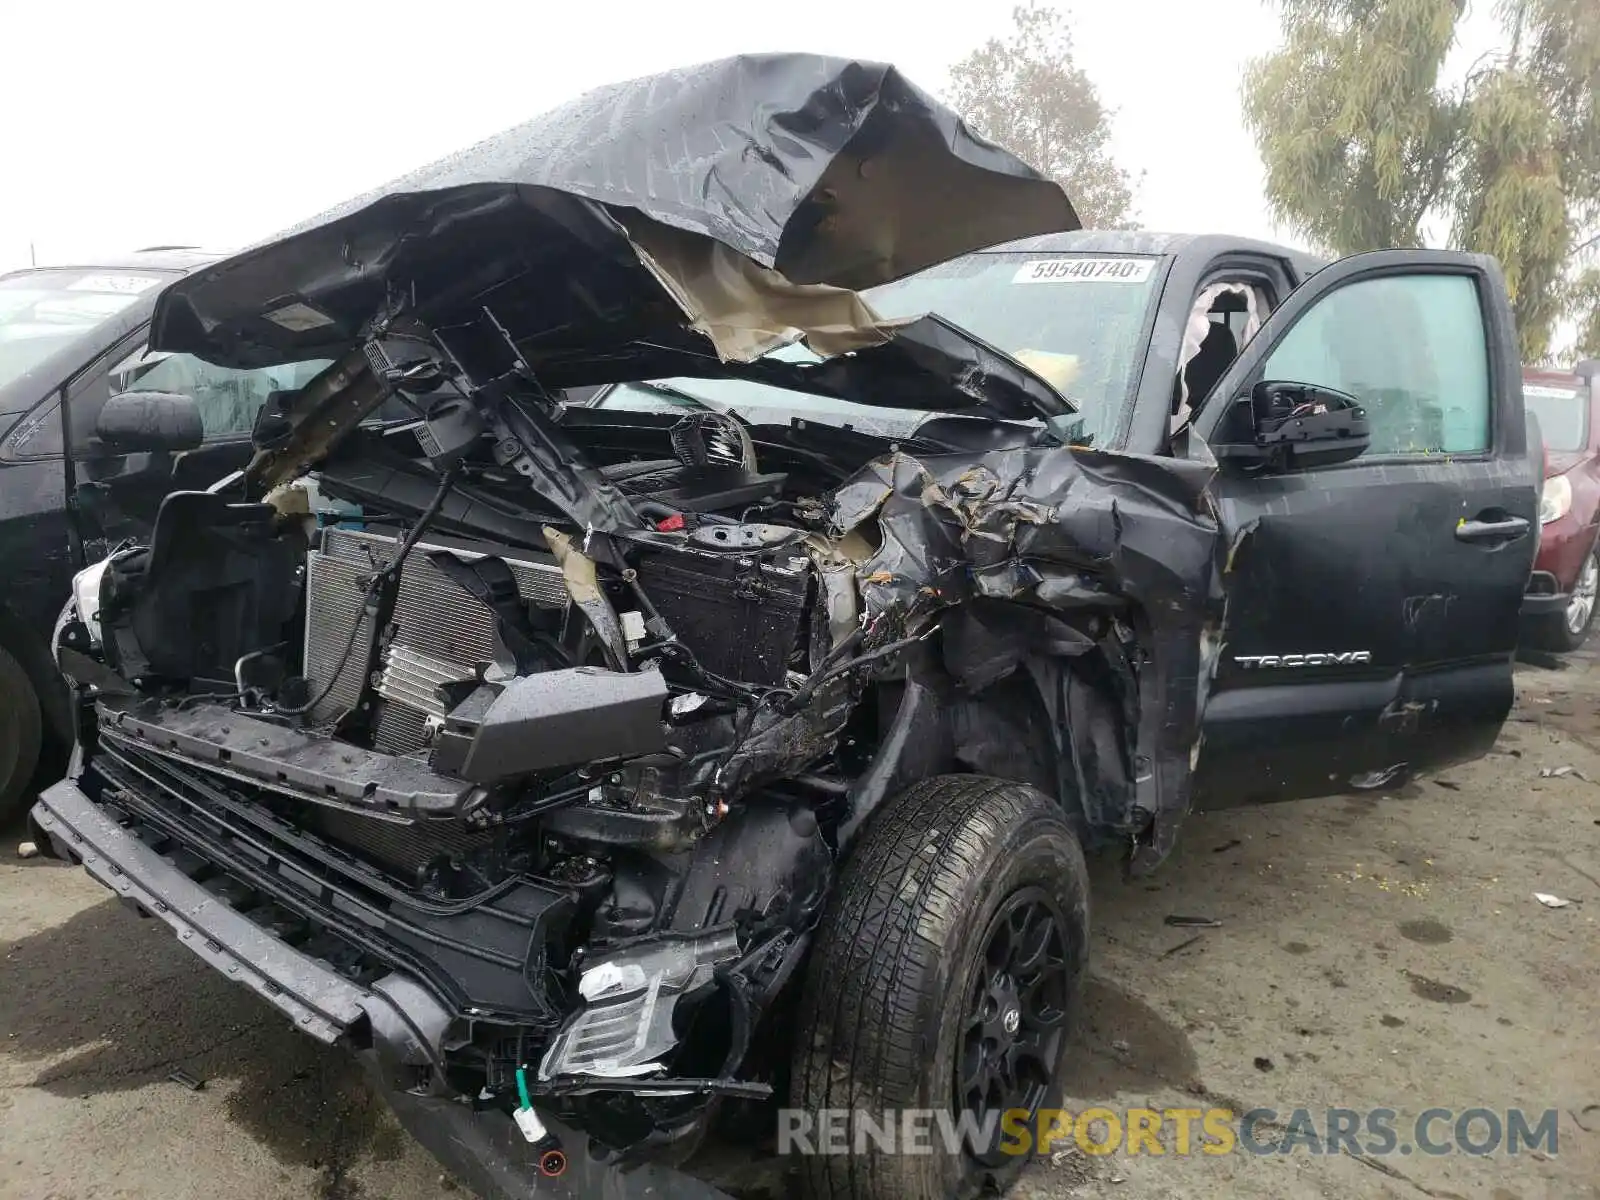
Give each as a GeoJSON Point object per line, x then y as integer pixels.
{"type": "Point", "coordinates": [631, 747]}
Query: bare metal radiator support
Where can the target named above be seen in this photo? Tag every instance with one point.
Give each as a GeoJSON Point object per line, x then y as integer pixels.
{"type": "Point", "coordinates": [441, 633]}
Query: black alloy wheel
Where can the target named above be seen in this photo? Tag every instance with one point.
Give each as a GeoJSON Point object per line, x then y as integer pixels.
{"type": "Point", "coordinates": [1015, 1024]}
{"type": "Point", "coordinates": [945, 981]}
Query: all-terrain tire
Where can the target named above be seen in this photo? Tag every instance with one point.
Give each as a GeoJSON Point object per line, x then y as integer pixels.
{"type": "Point", "coordinates": [895, 962]}
{"type": "Point", "coordinates": [21, 735]}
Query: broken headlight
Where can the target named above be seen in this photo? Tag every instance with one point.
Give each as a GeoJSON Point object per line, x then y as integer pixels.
{"type": "Point", "coordinates": [86, 597]}
{"type": "Point", "coordinates": [625, 1024]}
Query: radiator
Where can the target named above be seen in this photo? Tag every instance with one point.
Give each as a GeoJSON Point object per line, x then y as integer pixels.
{"type": "Point", "coordinates": [442, 633]}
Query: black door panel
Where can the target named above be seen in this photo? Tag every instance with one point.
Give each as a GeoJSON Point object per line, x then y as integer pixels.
{"type": "Point", "coordinates": [34, 544]}
{"type": "Point", "coordinates": [1372, 605]}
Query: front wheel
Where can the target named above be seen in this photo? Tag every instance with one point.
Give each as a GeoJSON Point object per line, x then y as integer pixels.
{"type": "Point", "coordinates": [1568, 629]}
{"type": "Point", "coordinates": [946, 977]}
{"type": "Point", "coordinates": [21, 734]}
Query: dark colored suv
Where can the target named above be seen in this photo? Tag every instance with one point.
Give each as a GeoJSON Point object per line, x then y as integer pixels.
{"type": "Point", "coordinates": [68, 495]}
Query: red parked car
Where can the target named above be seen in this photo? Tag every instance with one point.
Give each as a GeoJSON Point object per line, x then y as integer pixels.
{"type": "Point", "coordinates": [1559, 608]}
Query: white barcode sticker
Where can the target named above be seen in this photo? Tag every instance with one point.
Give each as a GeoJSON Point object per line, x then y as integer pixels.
{"type": "Point", "coordinates": [1070, 268]}
{"type": "Point", "coordinates": [121, 285]}
{"type": "Point", "coordinates": [1547, 392]}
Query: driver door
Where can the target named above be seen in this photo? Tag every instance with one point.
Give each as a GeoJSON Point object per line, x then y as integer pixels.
{"type": "Point", "coordinates": [1372, 604]}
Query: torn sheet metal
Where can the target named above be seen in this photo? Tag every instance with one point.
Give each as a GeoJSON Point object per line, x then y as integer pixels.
{"type": "Point", "coordinates": [1057, 530]}
{"type": "Point", "coordinates": [745, 309]}
{"type": "Point", "coordinates": [824, 170]}
{"type": "Point", "coordinates": [579, 575]}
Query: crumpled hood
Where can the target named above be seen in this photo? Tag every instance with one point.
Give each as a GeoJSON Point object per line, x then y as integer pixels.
{"type": "Point", "coordinates": [669, 225]}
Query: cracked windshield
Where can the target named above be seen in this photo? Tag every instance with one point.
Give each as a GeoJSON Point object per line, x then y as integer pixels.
{"type": "Point", "coordinates": [1075, 319]}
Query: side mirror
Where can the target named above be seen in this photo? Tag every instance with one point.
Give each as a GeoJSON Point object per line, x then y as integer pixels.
{"type": "Point", "coordinates": [135, 421]}
{"type": "Point", "coordinates": [1289, 426]}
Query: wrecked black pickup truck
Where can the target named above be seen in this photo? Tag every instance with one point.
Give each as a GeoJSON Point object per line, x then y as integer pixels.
{"type": "Point", "coordinates": [633, 765]}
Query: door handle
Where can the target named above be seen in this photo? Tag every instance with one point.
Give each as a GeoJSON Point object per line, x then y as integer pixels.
{"type": "Point", "coordinates": [1506, 529]}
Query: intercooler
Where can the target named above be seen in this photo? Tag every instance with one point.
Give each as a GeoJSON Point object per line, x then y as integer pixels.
{"type": "Point", "coordinates": [441, 632]}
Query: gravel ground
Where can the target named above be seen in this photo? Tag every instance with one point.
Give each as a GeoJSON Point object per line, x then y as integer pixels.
{"type": "Point", "coordinates": [1376, 950]}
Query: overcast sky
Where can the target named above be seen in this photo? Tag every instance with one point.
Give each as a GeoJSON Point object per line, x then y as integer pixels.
{"type": "Point", "coordinates": [161, 121]}
{"type": "Point", "coordinates": [217, 124]}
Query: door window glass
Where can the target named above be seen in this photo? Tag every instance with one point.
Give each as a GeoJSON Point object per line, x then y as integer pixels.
{"type": "Point", "coordinates": [1224, 316]}
{"type": "Point", "coordinates": [228, 399]}
{"type": "Point", "coordinates": [1411, 348]}
{"type": "Point", "coordinates": [36, 435]}
{"type": "Point", "coordinates": [39, 436]}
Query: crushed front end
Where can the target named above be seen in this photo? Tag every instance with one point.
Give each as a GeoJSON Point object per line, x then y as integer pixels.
{"type": "Point", "coordinates": [499, 774]}
{"type": "Point", "coordinates": [531, 778]}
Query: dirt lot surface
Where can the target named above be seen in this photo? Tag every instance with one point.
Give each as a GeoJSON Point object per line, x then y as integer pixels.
{"type": "Point", "coordinates": [1378, 950]}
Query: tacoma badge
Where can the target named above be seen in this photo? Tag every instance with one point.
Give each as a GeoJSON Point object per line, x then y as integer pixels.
{"type": "Point", "coordinates": [1341, 658]}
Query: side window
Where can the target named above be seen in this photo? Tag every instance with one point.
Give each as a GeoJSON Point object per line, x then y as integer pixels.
{"type": "Point", "coordinates": [1411, 348]}
{"type": "Point", "coordinates": [88, 395]}
{"type": "Point", "coordinates": [39, 435]}
{"type": "Point", "coordinates": [36, 435]}
{"type": "Point", "coordinates": [1223, 317]}
{"type": "Point", "coordinates": [228, 399]}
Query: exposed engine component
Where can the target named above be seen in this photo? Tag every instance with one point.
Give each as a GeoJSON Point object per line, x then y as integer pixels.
{"type": "Point", "coordinates": [440, 632]}
{"type": "Point", "coordinates": [737, 608]}
{"type": "Point", "coordinates": [563, 718]}
{"type": "Point", "coordinates": [713, 437]}
{"type": "Point", "coordinates": [412, 680]}
{"type": "Point", "coordinates": [739, 613]}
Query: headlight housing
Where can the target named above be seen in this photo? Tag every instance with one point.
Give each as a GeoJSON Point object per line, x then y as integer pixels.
{"type": "Point", "coordinates": [625, 1024]}
{"type": "Point", "coordinates": [86, 595]}
{"type": "Point", "coordinates": [1555, 501]}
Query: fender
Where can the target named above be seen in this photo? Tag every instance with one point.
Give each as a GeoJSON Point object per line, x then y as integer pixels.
{"type": "Point", "coordinates": [29, 649]}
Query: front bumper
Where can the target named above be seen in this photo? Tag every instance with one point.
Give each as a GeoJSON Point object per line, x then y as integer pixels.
{"type": "Point", "coordinates": [388, 1024]}
{"type": "Point", "coordinates": [1544, 594]}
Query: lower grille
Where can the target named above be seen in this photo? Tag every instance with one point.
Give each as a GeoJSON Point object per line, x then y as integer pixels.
{"type": "Point", "coordinates": [483, 953]}
{"type": "Point", "coordinates": [403, 849]}
{"type": "Point", "coordinates": [442, 633]}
